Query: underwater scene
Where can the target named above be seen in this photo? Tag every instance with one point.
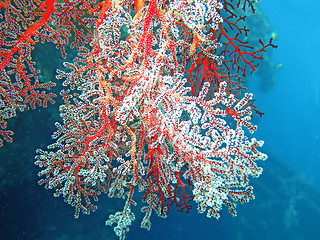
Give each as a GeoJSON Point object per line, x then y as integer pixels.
{"type": "Point", "coordinates": [159, 119]}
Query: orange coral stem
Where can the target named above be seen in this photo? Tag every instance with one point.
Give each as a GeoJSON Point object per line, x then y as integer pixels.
{"type": "Point", "coordinates": [138, 4]}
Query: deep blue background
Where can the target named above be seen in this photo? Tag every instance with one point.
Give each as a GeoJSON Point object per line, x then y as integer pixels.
{"type": "Point", "coordinates": [291, 127]}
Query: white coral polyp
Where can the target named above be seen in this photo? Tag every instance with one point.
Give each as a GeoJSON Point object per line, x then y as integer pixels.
{"type": "Point", "coordinates": [195, 13]}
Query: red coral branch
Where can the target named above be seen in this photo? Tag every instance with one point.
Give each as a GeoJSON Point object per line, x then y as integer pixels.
{"type": "Point", "coordinates": [154, 101]}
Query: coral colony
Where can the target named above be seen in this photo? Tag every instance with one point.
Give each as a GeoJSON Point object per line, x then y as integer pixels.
{"type": "Point", "coordinates": [154, 101]}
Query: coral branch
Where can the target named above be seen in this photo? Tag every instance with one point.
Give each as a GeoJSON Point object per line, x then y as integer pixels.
{"type": "Point", "coordinates": [153, 102]}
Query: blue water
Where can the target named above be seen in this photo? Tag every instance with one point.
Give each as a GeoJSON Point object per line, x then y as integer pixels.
{"type": "Point", "coordinates": [291, 127]}
{"type": "Point", "coordinates": [287, 204]}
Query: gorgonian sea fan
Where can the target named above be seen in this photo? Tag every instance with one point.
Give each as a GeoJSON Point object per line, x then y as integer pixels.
{"type": "Point", "coordinates": [153, 102]}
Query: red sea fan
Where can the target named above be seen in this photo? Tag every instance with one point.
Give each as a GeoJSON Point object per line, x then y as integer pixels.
{"type": "Point", "coordinates": [153, 102]}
